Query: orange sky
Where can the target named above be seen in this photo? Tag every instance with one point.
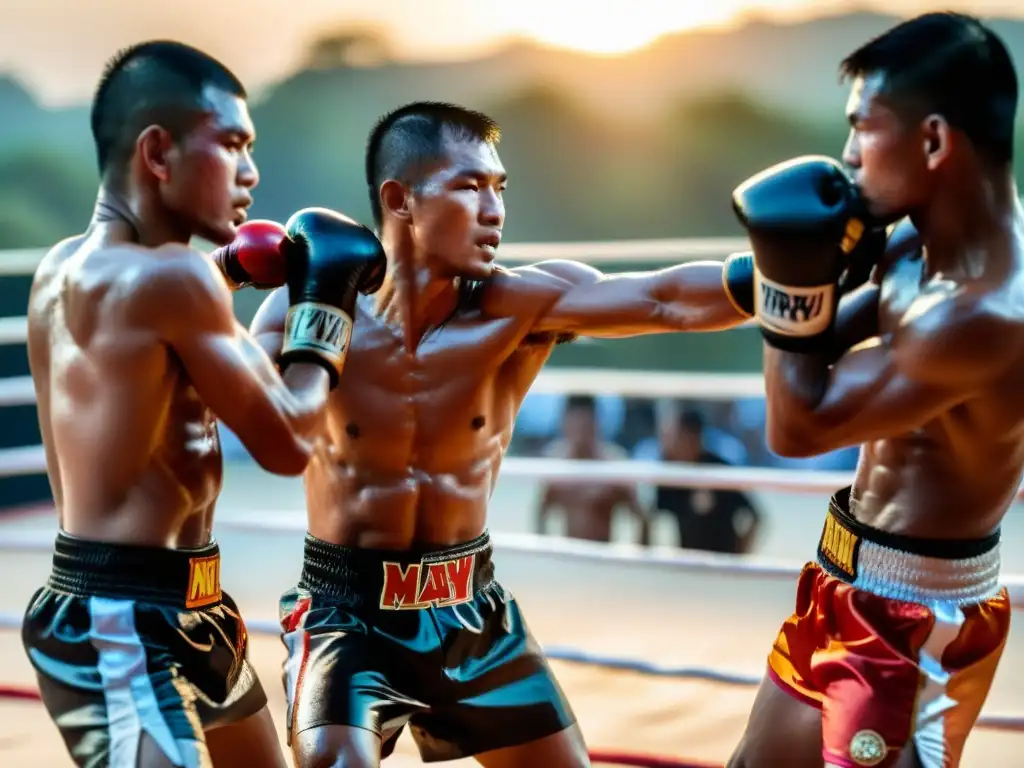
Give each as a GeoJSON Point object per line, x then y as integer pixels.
{"type": "Point", "coordinates": [58, 46]}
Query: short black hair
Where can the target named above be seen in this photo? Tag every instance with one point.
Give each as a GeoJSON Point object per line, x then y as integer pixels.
{"type": "Point", "coordinates": [158, 82]}
{"type": "Point", "coordinates": [691, 421]}
{"type": "Point", "coordinates": [950, 64]}
{"type": "Point", "coordinates": [586, 403]}
{"type": "Point", "coordinates": [405, 142]}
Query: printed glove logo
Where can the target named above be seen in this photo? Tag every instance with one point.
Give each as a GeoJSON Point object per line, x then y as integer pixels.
{"type": "Point", "coordinates": [319, 327]}
{"type": "Point", "coordinates": [793, 311]}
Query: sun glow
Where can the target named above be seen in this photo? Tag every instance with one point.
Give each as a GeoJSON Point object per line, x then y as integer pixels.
{"type": "Point", "coordinates": [609, 28]}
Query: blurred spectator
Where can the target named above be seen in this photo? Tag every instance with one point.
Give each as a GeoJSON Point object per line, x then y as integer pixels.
{"type": "Point", "coordinates": [711, 520]}
{"type": "Point", "coordinates": [588, 506]}
{"type": "Point", "coordinates": [538, 420]}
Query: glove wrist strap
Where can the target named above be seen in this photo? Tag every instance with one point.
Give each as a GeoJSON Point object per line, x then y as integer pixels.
{"type": "Point", "coordinates": [317, 333]}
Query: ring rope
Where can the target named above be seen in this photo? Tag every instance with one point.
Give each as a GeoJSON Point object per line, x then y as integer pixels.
{"type": "Point", "coordinates": [24, 261]}
{"type": "Point", "coordinates": [588, 381]}
{"type": "Point", "coordinates": [755, 567]}
{"type": "Point", "coordinates": [1000, 722]}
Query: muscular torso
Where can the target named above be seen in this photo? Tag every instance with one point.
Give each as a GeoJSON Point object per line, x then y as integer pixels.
{"type": "Point", "coordinates": [956, 476]}
{"type": "Point", "coordinates": [133, 455]}
{"type": "Point", "coordinates": [415, 438]}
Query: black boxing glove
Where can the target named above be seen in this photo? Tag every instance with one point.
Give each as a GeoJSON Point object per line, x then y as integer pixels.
{"type": "Point", "coordinates": [330, 259]}
{"type": "Point", "coordinates": [738, 281]}
{"type": "Point", "coordinates": [804, 218]}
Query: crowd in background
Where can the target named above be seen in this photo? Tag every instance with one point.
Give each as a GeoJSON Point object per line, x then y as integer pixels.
{"type": "Point", "coordinates": [607, 428]}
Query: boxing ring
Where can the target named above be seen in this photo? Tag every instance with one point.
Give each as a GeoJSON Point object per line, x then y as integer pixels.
{"type": "Point", "coordinates": [659, 650]}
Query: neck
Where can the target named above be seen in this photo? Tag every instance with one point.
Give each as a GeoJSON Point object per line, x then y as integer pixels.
{"type": "Point", "coordinates": [415, 298]}
{"type": "Point", "coordinates": [147, 224]}
{"type": "Point", "coordinates": [962, 220]}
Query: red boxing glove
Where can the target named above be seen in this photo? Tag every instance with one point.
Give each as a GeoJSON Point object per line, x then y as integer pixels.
{"type": "Point", "coordinates": [254, 258]}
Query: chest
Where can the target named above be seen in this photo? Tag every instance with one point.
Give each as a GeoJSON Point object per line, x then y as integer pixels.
{"type": "Point", "coordinates": [468, 376]}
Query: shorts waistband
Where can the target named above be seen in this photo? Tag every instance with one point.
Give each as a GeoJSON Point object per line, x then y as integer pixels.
{"type": "Point", "coordinates": [397, 580]}
{"type": "Point", "coordinates": [907, 568]}
{"type": "Point", "coordinates": [189, 577]}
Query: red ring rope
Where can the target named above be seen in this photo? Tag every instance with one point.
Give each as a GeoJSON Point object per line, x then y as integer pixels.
{"type": "Point", "coordinates": [26, 693]}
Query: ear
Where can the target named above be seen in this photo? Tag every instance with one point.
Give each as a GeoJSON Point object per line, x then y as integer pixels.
{"type": "Point", "coordinates": [395, 199]}
{"type": "Point", "coordinates": [938, 140]}
{"type": "Point", "coordinates": [155, 148]}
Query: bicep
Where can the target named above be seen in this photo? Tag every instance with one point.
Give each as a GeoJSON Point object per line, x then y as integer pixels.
{"type": "Point", "coordinates": [867, 395]}
{"type": "Point", "coordinates": [231, 374]}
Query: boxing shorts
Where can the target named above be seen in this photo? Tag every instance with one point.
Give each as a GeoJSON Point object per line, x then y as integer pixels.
{"type": "Point", "coordinates": [380, 640]}
{"type": "Point", "coordinates": [896, 639]}
{"type": "Point", "coordinates": [132, 640]}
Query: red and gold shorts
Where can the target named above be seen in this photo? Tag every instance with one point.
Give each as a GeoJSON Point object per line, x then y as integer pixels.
{"type": "Point", "coordinates": [896, 639]}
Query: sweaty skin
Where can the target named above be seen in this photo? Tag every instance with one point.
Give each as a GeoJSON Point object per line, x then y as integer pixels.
{"type": "Point", "coordinates": [134, 352]}
{"type": "Point", "coordinates": [935, 398]}
{"type": "Point", "coordinates": [418, 426]}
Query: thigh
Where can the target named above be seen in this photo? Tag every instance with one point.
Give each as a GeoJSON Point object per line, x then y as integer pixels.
{"type": "Point", "coordinates": [252, 742]}
{"type": "Point", "coordinates": [780, 731]}
{"type": "Point", "coordinates": [500, 691]}
{"type": "Point", "coordinates": [565, 749]}
{"type": "Point", "coordinates": [337, 675]}
{"type": "Point", "coordinates": [327, 746]}
{"type": "Point", "coordinates": [113, 703]}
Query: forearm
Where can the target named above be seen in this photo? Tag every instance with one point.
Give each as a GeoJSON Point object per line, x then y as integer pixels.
{"type": "Point", "coordinates": [308, 387]}
{"type": "Point", "coordinates": [693, 297]}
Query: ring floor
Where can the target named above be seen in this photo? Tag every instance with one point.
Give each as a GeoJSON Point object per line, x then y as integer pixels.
{"type": "Point", "coordinates": [667, 616]}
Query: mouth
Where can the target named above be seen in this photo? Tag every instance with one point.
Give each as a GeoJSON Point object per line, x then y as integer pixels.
{"type": "Point", "coordinates": [241, 213]}
{"type": "Point", "coordinates": [489, 243]}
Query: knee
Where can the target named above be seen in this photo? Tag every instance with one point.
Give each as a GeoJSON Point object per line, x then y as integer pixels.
{"type": "Point", "coordinates": [336, 747]}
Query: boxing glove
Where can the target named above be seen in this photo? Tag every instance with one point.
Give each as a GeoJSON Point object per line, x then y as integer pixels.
{"type": "Point", "coordinates": [804, 218]}
{"type": "Point", "coordinates": [738, 281]}
{"type": "Point", "coordinates": [330, 258]}
{"type": "Point", "coordinates": [254, 258]}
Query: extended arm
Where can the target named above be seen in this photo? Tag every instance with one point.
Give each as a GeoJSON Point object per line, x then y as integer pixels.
{"type": "Point", "coordinates": [585, 301]}
{"type": "Point", "coordinates": [274, 418]}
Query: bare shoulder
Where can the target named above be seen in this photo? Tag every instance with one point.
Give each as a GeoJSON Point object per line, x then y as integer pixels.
{"type": "Point", "coordinates": [956, 333]}
{"type": "Point", "coordinates": [533, 287]}
{"type": "Point", "coordinates": [173, 289]}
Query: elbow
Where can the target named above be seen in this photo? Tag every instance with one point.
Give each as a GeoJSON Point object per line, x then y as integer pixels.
{"type": "Point", "coordinates": [288, 458]}
{"type": "Point", "coordinates": [792, 436]}
{"type": "Point", "coordinates": [279, 449]}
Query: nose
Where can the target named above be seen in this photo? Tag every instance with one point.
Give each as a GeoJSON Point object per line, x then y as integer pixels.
{"type": "Point", "coordinates": [248, 173]}
{"type": "Point", "coordinates": [851, 152]}
{"type": "Point", "coordinates": [492, 209]}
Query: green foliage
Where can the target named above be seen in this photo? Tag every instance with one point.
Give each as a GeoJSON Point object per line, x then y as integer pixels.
{"type": "Point", "coordinates": [44, 196]}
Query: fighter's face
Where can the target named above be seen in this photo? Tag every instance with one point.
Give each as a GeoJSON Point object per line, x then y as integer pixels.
{"type": "Point", "coordinates": [457, 211]}
{"type": "Point", "coordinates": [887, 154]}
{"type": "Point", "coordinates": [210, 170]}
{"type": "Point", "coordinates": [579, 427]}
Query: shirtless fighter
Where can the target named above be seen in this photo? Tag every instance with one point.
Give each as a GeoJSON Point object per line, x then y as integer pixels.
{"type": "Point", "coordinates": [900, 624]}
{"type": "Point", "coordinates": [397, 618]}
{"type": "Point", "coordinates": [141, 659]}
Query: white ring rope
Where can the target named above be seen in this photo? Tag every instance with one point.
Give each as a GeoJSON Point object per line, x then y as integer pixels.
{"type": "Point", "coordinates": [24, 262]}
{"type": "Point", "coordinates": [18, 390]}
{"type": "Point", "coordinates": [757, 567]}
{"type": "Point", "coordinates": [13, 330]}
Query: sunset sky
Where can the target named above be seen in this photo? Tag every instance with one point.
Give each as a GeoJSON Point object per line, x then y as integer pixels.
{"type": "Point", "coordinates": [58, 47]}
